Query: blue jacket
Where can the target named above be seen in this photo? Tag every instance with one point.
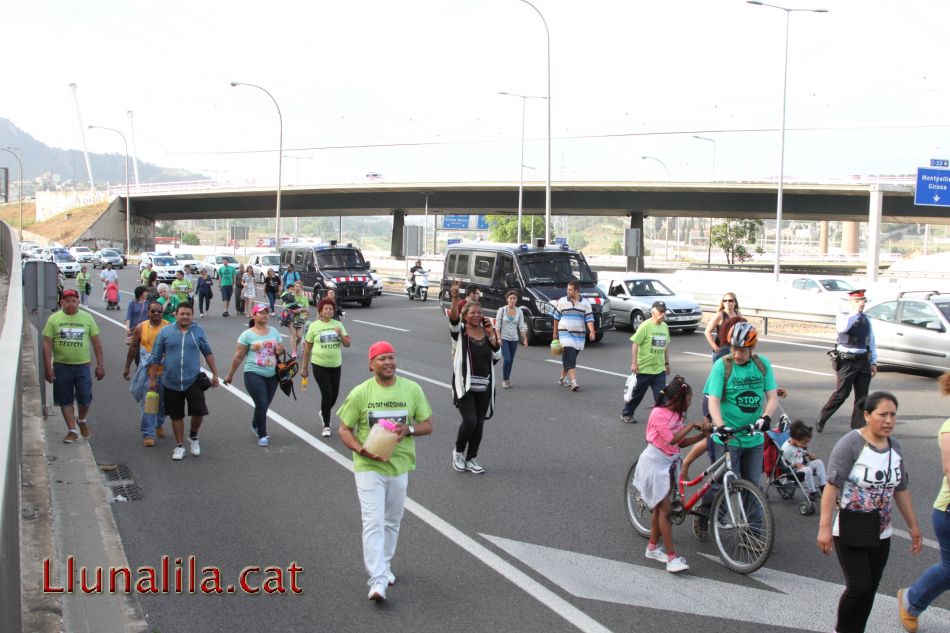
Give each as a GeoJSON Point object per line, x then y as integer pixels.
{"type": "Point", "coordinates": [180, 354]}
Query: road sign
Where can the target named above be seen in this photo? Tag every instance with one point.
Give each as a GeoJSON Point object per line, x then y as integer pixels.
{"type": "Point", "coordinates": [939, 162]}
{"type": "Point", "coordinates": [560, 240]}
{"type": "Point", "coordinates": [455, 222]}
{"type": "Point", "coordinates": [933, 187]}
{"type": "Point", "coordinates": [482, 223]}
{"type": "Point", "coordinates": [454, 240]}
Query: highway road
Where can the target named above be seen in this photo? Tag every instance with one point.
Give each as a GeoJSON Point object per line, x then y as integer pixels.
{"type": "Point", "coordinates": [541, 542]}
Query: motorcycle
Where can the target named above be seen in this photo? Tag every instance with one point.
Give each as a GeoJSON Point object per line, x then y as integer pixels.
{"type": "Point", "coordinates": [417, 286]}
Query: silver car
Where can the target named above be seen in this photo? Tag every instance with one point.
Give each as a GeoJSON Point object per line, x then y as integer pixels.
{"type": "Point", "coordinates": [107, 256]}
{"type": "Point", "coordinates": [632, 296]}
{"type": "Point", "coordinates": [913, 330]}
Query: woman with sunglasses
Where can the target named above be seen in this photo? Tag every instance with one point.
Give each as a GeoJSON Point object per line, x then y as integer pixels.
{"type": "Point", "coordinates": [260, 366]}
{"type": "Point", "coordinates": [717, 328]}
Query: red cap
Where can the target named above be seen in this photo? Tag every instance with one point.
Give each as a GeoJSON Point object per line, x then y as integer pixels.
{"type": "Point", "coordinates": [857, 294]}
{"type": "Point", "coordinates": [380, 347]}
{"type": "Point", "coordinates": [69, 292]}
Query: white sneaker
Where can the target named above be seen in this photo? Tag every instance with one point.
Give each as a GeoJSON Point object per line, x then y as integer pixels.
{"type": "Point", "coordinates": [264, 441]}
{"type": "Point", "coordinates": [326, 431]}
{"type": "Point", "coordinates": [458, 461]}
{"type": "Point", "coordinates": [377, 593]}
{"type": "Point", "coordinates": [563, 382]}
{"type": "Point", "coordinates": [195, 447]}
{"type": "Point", "coordinates": [473, 466]}
{"type": "Point", "coordinates": [506, 384]}
{"type": "Point", "coordinates": [656, 554]}
{"type": "Point", "coordinates": [179, 453]}
{"type": "Point", "coordinates": [677, 565]}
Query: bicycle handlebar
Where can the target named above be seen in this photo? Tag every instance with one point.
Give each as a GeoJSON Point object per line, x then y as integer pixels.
{"type": "Point", "coordinates": [725, 432]}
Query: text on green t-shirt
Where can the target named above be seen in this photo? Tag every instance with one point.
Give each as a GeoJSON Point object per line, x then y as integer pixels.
{"type": "Point", "coordinates": [651, 340]}
{"type": "Point", "coordinates": [744, 401]}
{"type": "Point", "coordinates": [71, 336]}
{"type": "Point", "coordinates": [226, 273]}
{"type": "Point", "coordinates": [326, 342]}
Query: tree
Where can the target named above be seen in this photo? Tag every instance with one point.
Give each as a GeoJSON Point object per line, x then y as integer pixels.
{"type": "Point", "coordinates": [615, 248]}
{"type": "Point", "coordinates": [732, 236]}
{"type": "Point", "coordinates": [191, 239]}
{"type": "Point", "coordinates": [166, 228]}
{"type": "Point", "coordinates": [504, 228]}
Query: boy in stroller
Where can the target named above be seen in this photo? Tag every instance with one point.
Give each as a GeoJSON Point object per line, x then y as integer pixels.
{"type": "Point", "coordinates": [112, 296]}
{"type": "Point", "coordinates": [795, 451]}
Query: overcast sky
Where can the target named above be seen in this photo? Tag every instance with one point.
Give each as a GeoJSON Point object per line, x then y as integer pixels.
{"type": "Point", "coordinates": [417, 81]}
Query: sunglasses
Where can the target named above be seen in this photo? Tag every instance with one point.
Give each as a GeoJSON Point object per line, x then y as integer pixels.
{"type": "Point", "coordinates": [155, 311]}
{"type": "Point", "coordinates": [728, 300]}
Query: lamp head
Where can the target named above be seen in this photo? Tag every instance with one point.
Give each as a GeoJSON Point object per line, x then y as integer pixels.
{"type": "Point", "coordinates": [234, 83]}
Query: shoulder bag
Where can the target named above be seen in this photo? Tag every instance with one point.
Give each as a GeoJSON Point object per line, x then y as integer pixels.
{"type": "Point", "coordinates": [863, 529]}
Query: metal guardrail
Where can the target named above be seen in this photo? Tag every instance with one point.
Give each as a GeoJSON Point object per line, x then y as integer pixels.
{"type": "Point", "coordinates": [11, 439]}
{"type": "Point", "coordinates": [710, 302]}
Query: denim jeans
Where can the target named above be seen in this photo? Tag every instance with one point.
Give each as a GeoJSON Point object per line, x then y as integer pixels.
{"type": "Point", "coordinates": [508, 349]}
{"type": "Point", "coordinates": [646, 381]}
{"type": "Point", "coordinates": [935, 580]}
{"type": "Point", "coordinates": [746, 464]}
{"type": "Point", "coordinates": [262, 392]}
{"type": "Point", "coordinates": [271, 299]}
{"type": "Point", "coordinates": [204, 303]}
{"type": "Point", "coordinates": [382, 502]}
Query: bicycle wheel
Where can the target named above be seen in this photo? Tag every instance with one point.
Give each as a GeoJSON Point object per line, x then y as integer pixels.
{"type": "Point", "coordinates": [637, 511]}
{"type": "Point", "coordinates": [745, 536]}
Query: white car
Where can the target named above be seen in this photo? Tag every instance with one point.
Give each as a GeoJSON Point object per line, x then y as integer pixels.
{"type": "Point", "coordinates": [819, 293]}
{"type": "Point", "coordinates": [188, 261]}
{"type": "Point", "coordinates": [264, 262]}
{"type": "Point", "coordinates": [213, 263]}
{"type": "Point", "coordinates": [166, 267]}
{"type": "Point", "coordinates": [66, 263]}
{"type": "Point", "coordinates": [632, 296]}
{"type": "Point", "coordinates": [82, 254]}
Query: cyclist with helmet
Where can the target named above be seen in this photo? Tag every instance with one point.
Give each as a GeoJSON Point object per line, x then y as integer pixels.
{"type": "Point", "coordinates": [742, 390]}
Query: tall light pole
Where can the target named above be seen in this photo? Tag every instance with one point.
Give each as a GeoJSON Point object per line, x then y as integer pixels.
{"type": "Point", "coordinates": [280, 154]}
{"type": "Point", "coordinates": [665, 168]}
{"type": "Point", "coordinates": [547, 184]}
{"type": "Point", "coordinates": [713, 141]}
{"type": "Point", "coordinates": [128, 215]}
{"type": "Point", "coordinates": [524, 101]}
{"type": "Point", "coordinates": [19, 187]}
{"type": "Point", "coordinates": [135, 155]}
{"type": "Point", "coordinates": [781, 165]}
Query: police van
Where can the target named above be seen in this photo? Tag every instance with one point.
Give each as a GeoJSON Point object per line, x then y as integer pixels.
{"type": "Point", "coordinates": [539, 273]}
{"type": "Point", "coordinates": [331, 266]}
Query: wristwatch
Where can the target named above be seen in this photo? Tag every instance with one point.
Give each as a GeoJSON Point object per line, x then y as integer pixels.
{"type": "Point", "coordinates": [412, 430]}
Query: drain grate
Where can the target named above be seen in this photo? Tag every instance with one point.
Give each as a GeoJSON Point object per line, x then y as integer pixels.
{"type": "Point", "coordinates": [121, 471]}
{"type": "Point", "coordinates": [121, 484]}
{"type": "Point", "coordinates": [128, 492]}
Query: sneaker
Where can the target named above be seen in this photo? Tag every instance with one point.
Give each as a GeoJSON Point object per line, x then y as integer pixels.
{"type": "Point", "coordinates": [908, 621]}
{"type": "Point", "coordinates": [159, 431]}
{"type": "Point", "coordinates": [458, 461]}
{"type": "Point", "coordinates": [820, 426]}
{"type": "Point", "coordinates": [575, 386]}
{"type": "Point", "coordinates": [506, 384]}
{"type": "Point", "coordinates": [148, 442]}
{"type": "Point", "coordinates": [629, 419]}
{"type": "Point", "coordinates": [326, 431]}
{"type": "Point", "coordinates": [84, 429]}
{"type": "Point", "coordinates": [377, 593]}
{"type": "Point", "coordinates": [195, 447]}
{"type": "Point", "coordinates": [656, 554]}
{"type": "Point", "coordinates": [814, 496]}
{"type": "Point", "coordinates": [390, 577]}
{"type": "Point", "coordinates": [563, 382]}
{"type": "Point", "coordinates": [264, 441]}
{"type": "Point", "coordinates": [179, 453]}
{"type": "Point", "coordinates": [701, 527]}
{"type": "Point", "coordinates": [225, 314]}
{"type": "Point", "coordinates": [676, 565]}
{"type": "Point", "coordinates": [201, 315]}
{"type": "Point", "coordinates": [473, 466]}
{"type": "Point", "coordinates": [71, 437]}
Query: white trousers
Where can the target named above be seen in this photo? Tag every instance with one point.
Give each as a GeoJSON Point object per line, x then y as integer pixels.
{"type": "Point", "coordinates": [814, 470]}
{"type": "Point", "coordinates": [382, 502]}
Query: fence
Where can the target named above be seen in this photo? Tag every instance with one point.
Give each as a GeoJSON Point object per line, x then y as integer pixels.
{"type": "Point", "coordinates": [10, 434]}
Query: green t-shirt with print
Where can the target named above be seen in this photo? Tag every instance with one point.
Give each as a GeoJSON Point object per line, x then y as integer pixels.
{"type": "Point", "coordinates": [403, 403]}
{"type": "Point", "coordinates": [144, 275]}
{"type": "Point", "coordinates": [72, 336]}
{"type": "Point", "coordinates": [327, 344]}
{"type": "Point", "coordinates": [651, 340]}
{"type": "Point", "coordinates": [744, 401]}
{"type": "Point", "coordinates": [181, 288]}
{"type": "Point", "coordinates": [169, 306]}
{"type": "Point", "coordinates": [81, 280]}
{"type": "Point", "coordinates": [226, 273]}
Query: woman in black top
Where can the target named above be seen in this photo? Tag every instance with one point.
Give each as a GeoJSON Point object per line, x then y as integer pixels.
{"type": "Point", "coordinates": [271, 288]}
{"type": "Point", "coordinates": [204, 292]}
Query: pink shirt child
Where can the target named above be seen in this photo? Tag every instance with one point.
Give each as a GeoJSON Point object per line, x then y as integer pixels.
{"type": "Point", "coordinates": [661, 427]}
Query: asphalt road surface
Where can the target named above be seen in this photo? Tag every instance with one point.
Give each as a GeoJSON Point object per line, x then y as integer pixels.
{"type": "Point", "coordinates": [541, 542]}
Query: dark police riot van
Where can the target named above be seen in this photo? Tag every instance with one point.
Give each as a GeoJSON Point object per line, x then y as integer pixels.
{"type": "Point", "coordinates": [540, 275]}
{"type": "Point", "coordinates": [326, 266]}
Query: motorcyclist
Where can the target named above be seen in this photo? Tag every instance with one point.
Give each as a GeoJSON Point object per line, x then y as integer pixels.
{"type": "Point", "coordinates": [412, 275]}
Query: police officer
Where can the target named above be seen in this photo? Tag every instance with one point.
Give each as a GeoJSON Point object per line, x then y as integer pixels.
{"type": "Point", "coordinates": [856, 361]}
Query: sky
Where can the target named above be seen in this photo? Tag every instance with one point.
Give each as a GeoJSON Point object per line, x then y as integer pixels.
{"type": "Point", "coordinates": [408, 89]}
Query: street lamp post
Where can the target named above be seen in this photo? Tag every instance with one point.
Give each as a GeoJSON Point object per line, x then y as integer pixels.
{"type": "Point", "coordinates": [128, 214]}
{"type": "Point", "coordinates": [665, 168]}
{"type": "Point", "coordinates": [547, 184]}
{"type": "Point", "coordinates": [781, 165]}
{"type": "Point", "coordinates": [280, 153]}
{"type": "Point", "coordinates": [713, 141]}
{"type": "Point", "coordinates": [19, 187]}
{"type": "Point", "coordinates": [524, 101]}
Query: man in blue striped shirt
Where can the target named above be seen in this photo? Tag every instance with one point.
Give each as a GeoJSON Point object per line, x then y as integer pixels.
{"type": "Point", "coordinates": [572, 316]}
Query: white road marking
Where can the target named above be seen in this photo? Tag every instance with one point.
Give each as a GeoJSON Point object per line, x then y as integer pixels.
{"type": "Point", "coordinates": [388, 327]}
{"type": "Point", "coordinates": [529, 585]}
{"type": "Point", "coordinates": [780, 342]}
{"type": "Point", "coordinates": [585, 367]}
{"type": "Point", "coordinates": [804, 371]}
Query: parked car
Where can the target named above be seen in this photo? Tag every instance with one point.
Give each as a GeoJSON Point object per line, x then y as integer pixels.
{"type": "Point", "coordinates": [264, 262]}
{"type": "Point", "coordinates": [26, 249]}
{"type": "Point", "coordinates": [212, 263]}
{"type": "Point", "coordinates": [377, 281]}
{"type": "Point", "coordinates": [632, 296]}
{"type": "Point", "coordinates": [82, 254]}
{"type": "Point", "coordinates": [819, 293]}
{"type": "Point", "coordinates": [165, 266]}
{"type": "Point", "coordinates": [188, 262]}
{"type": "Point", "coordinates": [147, 257]}
{"type": "Point", "coordinates": [66, 263]}
{"type": "Point", "coordinates": [913, 330]}
{"type": "Point", "coordinates": [107, 256]}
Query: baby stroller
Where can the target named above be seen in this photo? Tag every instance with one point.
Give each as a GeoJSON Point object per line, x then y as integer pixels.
{"type": "Point", "coordinates": [779, 473]}
{"type": "Point", "coordinates": [112, 296]}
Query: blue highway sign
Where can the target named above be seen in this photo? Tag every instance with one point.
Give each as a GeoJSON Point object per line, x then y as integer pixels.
{"type": "Point", "coordinates": [933, 187]}
{"type": "Point", "coordinates": [939, 162]}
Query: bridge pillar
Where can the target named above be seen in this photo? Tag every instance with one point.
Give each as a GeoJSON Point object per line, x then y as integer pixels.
{"type": "Point", "coordinates": [849, 237]}
{"type": "Point", "coordinates": [396, 250]}
{"type": "Point", "coordinates": [874, 231]}
{"type": "Point", "coordinates": [635, 264]}
{"type": "Point", "coordinates": [823, 237]}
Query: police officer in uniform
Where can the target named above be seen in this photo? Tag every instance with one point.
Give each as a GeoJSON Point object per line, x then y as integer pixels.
{"type": "Point", "coordinates": [856, 360]}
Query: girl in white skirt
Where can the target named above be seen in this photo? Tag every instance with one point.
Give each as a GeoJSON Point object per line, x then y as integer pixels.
{"type": "Point", "coordinates": [666, 435]}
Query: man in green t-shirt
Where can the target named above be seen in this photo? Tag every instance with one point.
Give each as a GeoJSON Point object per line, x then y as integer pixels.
{"type": "Point", "coordinates": [67, 338]}
{"type": "Point", "coordinates": [651, 360]}
{"type": "Point", "coordinates": [181, 287]}
{"type": "Point", "coordinates": [83, 285]}
{"type": "Point", "coordinates": [381, 485]}
{"type": "Point", "coordinates": [145, 273]}
{"type": "Point", "coordinates": [226, 275]}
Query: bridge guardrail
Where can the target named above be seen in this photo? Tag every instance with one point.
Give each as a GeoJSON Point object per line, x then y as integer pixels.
{"type": "Point", "coordinates": [11, 440]}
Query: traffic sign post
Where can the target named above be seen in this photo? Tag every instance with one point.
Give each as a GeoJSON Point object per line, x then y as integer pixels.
{"type": "Point", "coordinates": [933, 187]}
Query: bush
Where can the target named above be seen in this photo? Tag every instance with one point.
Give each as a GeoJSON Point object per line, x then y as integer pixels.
{"type": "Point", "coordinates": [191, 239]}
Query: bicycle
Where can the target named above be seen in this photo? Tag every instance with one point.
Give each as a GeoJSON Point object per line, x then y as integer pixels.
{"type": "Point", "coordinates": [740, 518]}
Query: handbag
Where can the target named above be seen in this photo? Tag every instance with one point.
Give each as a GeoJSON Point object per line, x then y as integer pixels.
{"type": "Point", "coordinates": [863, 529]}
{"type": "Point", "coordinates": [286, 370]}
{"type": "Point", "coordinates": [203, 382]}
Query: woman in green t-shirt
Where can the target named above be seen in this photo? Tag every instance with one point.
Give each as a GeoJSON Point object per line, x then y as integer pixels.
{"type": "Point", "coordinates": [169, 302]}
{"type": "Point", "coordinates": [82, 283]}
{"type": "Point", "coordinates": [322, 349]}
{"type": "Point", "coordinates": [300, 311]}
